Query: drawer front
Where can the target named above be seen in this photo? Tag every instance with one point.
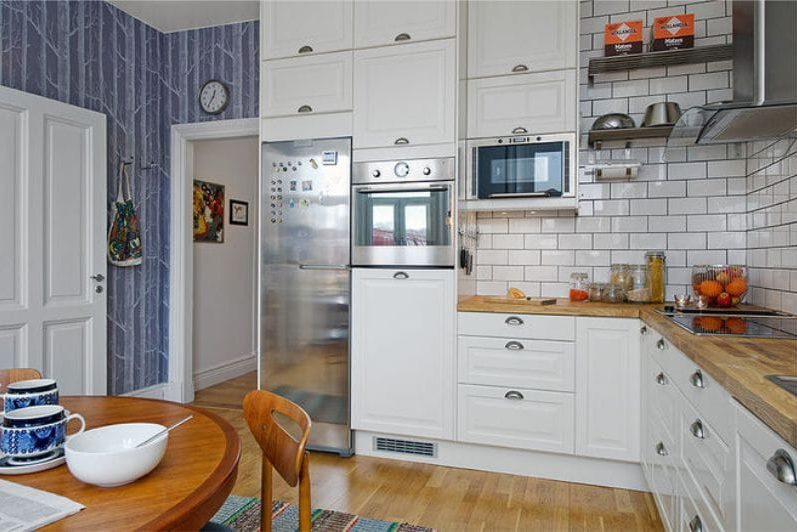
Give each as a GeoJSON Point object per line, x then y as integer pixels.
{"type": "Point", "coordinates": [536, 364]}
{"type": "Point", "coordinates": [521, 418]}
{"type": "Point", "coordinates": [709, 460]}
{"type": "Point", "coordinates": [306, 85]}
{"type": "Point", "coordinates": [695, 514]}
{"type": "Point", "coordinates": [662, 397]}
{"type": "Point", "coordinates": [517, 325]}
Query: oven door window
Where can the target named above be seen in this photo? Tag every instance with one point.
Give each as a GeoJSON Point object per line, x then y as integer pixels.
{"type": "Point", "coordinates": [417, 218]}
{"type": "Point", "coordinates": [524, 169]}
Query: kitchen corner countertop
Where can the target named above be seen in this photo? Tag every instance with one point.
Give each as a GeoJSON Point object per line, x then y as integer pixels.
{"type": "Point", "coordinates": [740, 365]}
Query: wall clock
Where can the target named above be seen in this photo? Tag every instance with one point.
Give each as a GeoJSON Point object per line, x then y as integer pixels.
{"type": "Point", "coordinates": [214, 97]}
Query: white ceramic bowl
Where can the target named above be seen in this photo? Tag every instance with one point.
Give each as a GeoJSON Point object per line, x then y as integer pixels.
{"type": "Point", "coordinates": [107, 456]}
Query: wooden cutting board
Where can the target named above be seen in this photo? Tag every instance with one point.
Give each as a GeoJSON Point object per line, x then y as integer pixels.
{"type": "Point", "coordinates": [539, 301]}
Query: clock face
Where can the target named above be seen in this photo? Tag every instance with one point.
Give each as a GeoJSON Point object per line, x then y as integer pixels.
{"type": "Point", "coordinates": [213, 97]}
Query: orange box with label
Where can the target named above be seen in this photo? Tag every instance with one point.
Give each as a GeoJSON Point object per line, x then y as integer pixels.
{"type": "Point", "coordinates": [673, 32]}
{"type": "Point", "coordinates": [621, 38]}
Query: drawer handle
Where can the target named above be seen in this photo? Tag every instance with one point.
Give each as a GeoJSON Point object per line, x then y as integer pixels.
{"type": "Point", "coordinates": [402, 37]}
{"type": "Point", "coordinates": [513, 320]}
{"type": "Point", "coordinates": [305, 109]}
{"type": "Point", "coordinates": [305, 49]}
{"type": "Point", "coordinates": [696, 525]}
{"type": "Point", "coordinates": [514, 395]}
{"type": "Point", "coordinates": [520, 68]}
{"type": "Point", "coordinates": [696, 379]}
{"type": "Point", "coordinates": [643, 330]}
{"type": "Point", "coordinates": [520, 129]}
{"type": "Point", "coordinates": [696, 429]}
{"type": "Point", "coordinates": [514, 346]}
{"type": "Point", "coordinates": [401, 275]}
{"type": "Point", "coordinates": [401, 140]}
{"type": "Point", "coordinates": [661, 379]}
{"type": "Point", "coordinates": [661, 450]}
{"type": "Point", "coordinates": [661, 344]}
{"type": "Point", "coordinates": [782, 467]}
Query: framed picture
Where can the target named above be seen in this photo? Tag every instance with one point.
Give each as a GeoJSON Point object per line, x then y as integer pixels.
{"type": "Point", "coordinates": [208, 212]}
{"type": "Point", "coordinates": [239, 212]}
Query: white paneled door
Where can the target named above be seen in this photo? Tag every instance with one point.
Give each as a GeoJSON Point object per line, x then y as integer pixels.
{"type": "Point", "coordinates": [52, 263]}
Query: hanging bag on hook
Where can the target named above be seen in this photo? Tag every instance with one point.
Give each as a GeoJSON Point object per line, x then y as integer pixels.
{"type": "Point", "coordinates": [124, 236]}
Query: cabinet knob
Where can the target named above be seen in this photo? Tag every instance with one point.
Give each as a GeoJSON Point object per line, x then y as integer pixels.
{"type": "Point", "coordinates": [520, 68]}
{"type": "Point", "coordinates": [643, 330]}
{"type": "Point", "coordinates": [661, 379]}
{"type": "Point", "coordinates": [402, 37]}
{"type": "Point", "coordinates": [513, 320]}
{"type": "Point", "coordinates": [696, 379]}
{"type": "Point", "coordinates": [661, 450]}
{"type": "Point", "coordinates": [427, 170]}
{"type": "Point", "coordinates": [782, 467]}
{"type": "Point", "coordinates": [696, 525]}
{"type": "Point", "coordinates": [401, 140]}
{"type": "Point", "coordinates": [696, 428]}
{"type": "Point", "coordinates": [661, 345]}
{"type": "Point", "coordinates": [514, 346]}
{"type": "Point", "coordinates": [401, 275]}
{"type": "Point", "coordinates": [305, 49]}
{"type": "Point", "coordinates": [513, 394]}
{"type": "Point", "coordinates": [376, 173]}
{"type": "Point", "coordinates": [520, 129]}
{"type": "Point", "coordinates": [305, 109]}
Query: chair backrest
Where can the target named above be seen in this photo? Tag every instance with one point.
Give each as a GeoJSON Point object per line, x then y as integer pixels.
{"type": "Point", "coordinates": [282, 450]}
{"type": "Point", "coordinates": [7, 376]}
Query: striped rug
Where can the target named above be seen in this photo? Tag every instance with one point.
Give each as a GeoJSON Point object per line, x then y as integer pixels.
{"type": "Point", "coordinates": [242, 514]}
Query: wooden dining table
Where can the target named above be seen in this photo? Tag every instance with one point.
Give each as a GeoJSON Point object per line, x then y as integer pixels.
{"type": "Point", "coordinates": [189, 485]}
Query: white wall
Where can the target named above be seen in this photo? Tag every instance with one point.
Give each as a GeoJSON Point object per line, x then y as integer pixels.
{"type": "Point", "coordinates": [224, 274]}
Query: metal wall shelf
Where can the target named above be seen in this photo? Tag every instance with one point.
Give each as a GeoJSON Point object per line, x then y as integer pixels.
{"type": "Point", "coordinates": [598, 136]}
{"type": "Point", "coordinates": [700, 54]}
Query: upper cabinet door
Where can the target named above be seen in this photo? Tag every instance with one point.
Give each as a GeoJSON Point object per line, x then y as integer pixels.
{"type": "Point", "coordinates": [521, 36]}
{"type": "Point", "coordinates": [404, 95]}
{"type": "Point", "coordinates": [298, 28]}
{"type": "Point", "coordinates": [394, 22]}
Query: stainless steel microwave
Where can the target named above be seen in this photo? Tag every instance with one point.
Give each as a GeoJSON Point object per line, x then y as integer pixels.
{"type": "Point", "coordinates": [526, 166]}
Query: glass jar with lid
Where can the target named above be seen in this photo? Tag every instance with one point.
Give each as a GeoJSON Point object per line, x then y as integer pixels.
{"type": "Point", "coordinates": [613, 293]}
{"type": "Point", "coordinates": [640, 289]}
{"type": "Point", "coordinates": [595, 291]}
{"type": "Point", "coordinates": [621, 275]}
{"type": "Point", "coordinates": [656, 264]}
{"type": "Point", "coordinates": [579, 286]}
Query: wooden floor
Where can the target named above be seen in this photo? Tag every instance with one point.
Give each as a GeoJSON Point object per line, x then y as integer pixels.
{"type": "Point", "coordinates": [441, 497]}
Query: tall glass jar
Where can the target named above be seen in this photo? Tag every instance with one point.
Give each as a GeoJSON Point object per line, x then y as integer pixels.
{"type": "Point", "coordinates": [640, 289]}
{"type": "Point", "coordinates": [579, 286]}
{"type": "Point", "coordinates": [656, 264]}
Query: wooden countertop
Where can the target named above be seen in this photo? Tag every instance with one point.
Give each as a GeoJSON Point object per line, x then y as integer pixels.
{"type": "Point", "coordinates": [740, 365]}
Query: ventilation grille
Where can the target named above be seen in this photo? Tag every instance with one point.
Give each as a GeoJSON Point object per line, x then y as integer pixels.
{"type": "Point", "coordinates": [392, 445]}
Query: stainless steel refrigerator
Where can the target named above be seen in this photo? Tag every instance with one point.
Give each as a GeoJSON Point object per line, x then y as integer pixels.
{"type": "Point", "coordinates": [306, 281]}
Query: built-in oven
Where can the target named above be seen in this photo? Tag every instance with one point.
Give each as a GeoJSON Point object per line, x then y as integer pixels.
{"type": "Point", "coordinates": [402, 213]}
{"type": "Point", "coordinates": [522, 166]}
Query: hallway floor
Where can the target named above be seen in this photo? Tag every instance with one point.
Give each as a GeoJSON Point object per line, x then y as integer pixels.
{"type": "Point", "coordinates": [434, 496]}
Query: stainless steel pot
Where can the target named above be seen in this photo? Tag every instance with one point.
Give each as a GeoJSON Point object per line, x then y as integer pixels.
{"type": "Point", "coordinates": [613, 121]}
{"type": "Point", "coordinates": [661, 114]}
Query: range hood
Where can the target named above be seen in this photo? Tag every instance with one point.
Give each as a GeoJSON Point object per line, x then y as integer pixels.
{"type": "Point", "coordinates": [764, 81]}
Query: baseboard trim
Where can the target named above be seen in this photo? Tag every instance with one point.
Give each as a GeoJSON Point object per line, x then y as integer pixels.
{"type": "Point", "coordinates": [552, 466]}
{"type": "Point", "coordinates": [158, 391]}
{"type": "Point", "coordinates": [224, 372]}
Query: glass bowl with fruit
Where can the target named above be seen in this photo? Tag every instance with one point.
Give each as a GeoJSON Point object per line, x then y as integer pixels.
{"type": "Point", "coordinates": [721, 285]}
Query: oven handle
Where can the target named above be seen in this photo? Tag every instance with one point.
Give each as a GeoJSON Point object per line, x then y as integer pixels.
{"type": "Point", "coordinates": [521, 195]}
{"type": "Point", "coordinates": [375, 190]}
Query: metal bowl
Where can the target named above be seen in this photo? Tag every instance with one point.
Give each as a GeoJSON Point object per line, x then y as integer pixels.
{"type": "Point", "coordinates": [661, 114]}
{"type": "Point", "coordinates": [613, 121]}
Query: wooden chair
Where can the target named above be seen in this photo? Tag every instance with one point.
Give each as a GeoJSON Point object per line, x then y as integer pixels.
{"type": "Point", "coordinates": [7, 376]}
{"type": "Point", "coordinates": [280, 449]}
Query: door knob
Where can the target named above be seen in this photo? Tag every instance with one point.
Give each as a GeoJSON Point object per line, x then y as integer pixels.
{"type": "Point", "coordinates": [99, 277]}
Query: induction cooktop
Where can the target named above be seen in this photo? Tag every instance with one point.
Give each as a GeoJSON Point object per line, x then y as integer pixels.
{"type": "Point", "coordinates": [734, 322]}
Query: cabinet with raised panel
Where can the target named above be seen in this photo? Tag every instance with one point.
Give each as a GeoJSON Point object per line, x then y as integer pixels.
{"type": "Point", "coordinates": [398, 22]}
{"type": "Point", "coordinates": [405, 95]}
{"type": "Point", "coordinates": [305, 27]}
{"type": "Point", "coordinates": [513, 37]}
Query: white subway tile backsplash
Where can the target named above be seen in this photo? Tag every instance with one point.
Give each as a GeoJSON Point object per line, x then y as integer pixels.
{"type": "Point", "coordinates": [593, 257]}
{"type": "Point", "coordinates": [524, 257]}
{"type": "Point", "coordinates": [508, 273]}
{"type": "Point", "coordinates": [541, 273]}
{"type": "Point", "coordinates": [558, 257]}
{"type": "Point", "coordinates": [492, 256]}
{"type": "Point", "coordinates": [610, 241]}
{"type": "Point", "coordinates": [575, 241]}
{"type": "Point", "coordinates": [648, 241]}
{"type": "Point", "coordinates": [667, 189]}
{"type": "Point", "coordinates": [648, 207]}
{"type": "Point", "coordinates": [524, 225]}
{"type": "Point", "coordinates": [593, 224]}
{"type": "Point", "coordinates": [686, 171]}
{"type": "Point", "coordinates": [666, 224]}
{"type": "Point", "coordinates": [686, 240]}
{"type": "Point", "coordinates": [539, 241]}
{"type": "Point", "coordinates": [630, 224]}
{"type": "Point", "coordinates": [706, 222]}
{"type": "Point", "coordinates": [630, 88]}
{"type": "Point", "coordinates": [669, 84]}
{"type": "Point", "coordinates": [712, 80]}
{"type": "Point", "coordinates": [727, 240]}
{"type": "Point", "coordinates": [508, 241]}
{"type": "Point", "coordinates": [729, 168]}
{"type": "Point", "coordinates": [611, 207]}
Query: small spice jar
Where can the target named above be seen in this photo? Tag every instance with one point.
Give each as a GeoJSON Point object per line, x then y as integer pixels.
{"type": "Point", "coordinates": [613, 293]}
{"type": "Point", "coordinates": [595, 291]}
{"type": "Point", "coordinates": [579, 286]}
{"type": "Point", "coordinates": [656, 262]}
{"type": "Point", "coordinates": [640, 290]}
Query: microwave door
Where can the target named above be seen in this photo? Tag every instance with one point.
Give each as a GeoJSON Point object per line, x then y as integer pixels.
{"type": "Point", "coordinates": [527, 170]}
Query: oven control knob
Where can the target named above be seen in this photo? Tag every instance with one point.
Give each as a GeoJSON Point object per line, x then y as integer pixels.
{"type": "Point", "coordinates": [427, 170]}
{"type": "Point", "coordinates": [402, 169]}
{"type": "Point", "coordinates": [376, 173]}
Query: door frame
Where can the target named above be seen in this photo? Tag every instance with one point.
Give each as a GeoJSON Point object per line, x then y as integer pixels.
{"type": "Point", "coordinates": [180, 387]}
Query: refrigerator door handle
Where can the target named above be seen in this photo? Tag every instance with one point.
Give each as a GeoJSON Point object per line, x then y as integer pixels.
{"type": "Point", "coordinates": [324, 267]}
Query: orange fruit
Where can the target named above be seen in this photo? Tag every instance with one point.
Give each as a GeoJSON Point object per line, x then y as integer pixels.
{"type": "Point", "coordinates": [710, 288]}
{"type": "Point", "coordinates": [736, 325]}
{"type": "Point", "coordinates": [709, 323]}
{"type": "Point", "coordinates": [737, 287]}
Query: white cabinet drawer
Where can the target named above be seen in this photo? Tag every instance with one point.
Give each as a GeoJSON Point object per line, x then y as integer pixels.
{"type": "Point", "coordinates": [394, 22]}
{"type": "Point", "coordinates": [537, 364]}
{"type": "Point", "coordinates": [661, 455]}
{"type": "Point", "coordinates": [517, 325]}
{"type": "Point", "coordinates": [304, 85]}
{"type": "Point", "coordinates": [306, 27]}
{"type": "Point", "coordinates": [662, 397]}
{"type": "Point", "coordinates": [695, 514]}
{"type": "Point", "coordinates": [512, 417]}
{"type": "Point", "coordinates": [536, 103]}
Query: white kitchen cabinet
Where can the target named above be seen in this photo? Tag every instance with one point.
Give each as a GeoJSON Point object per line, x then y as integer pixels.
{"type": "Point", "coordinates": [607, 388]}
{"type": "Point", "coordinates": [532, 103]}
{"type": "Point", "coordinates": [513, 326]}
{"type": "Point", "coordinates": [402, 352]}
{"type": "Point", "coordinates": [521, 36]}
{"type": "Point", "coordinates": [764, 502]}
{"type": "Point", "coordinates": [405, 95]}
{"type": "Point", "coordinates": [515, 417]}
{"type": "Point", "coordinates": [303, 85]}
{"type": "Point", "coordinates": [305, 27]}
{"type": "Point", "coordinates": [396, 22]}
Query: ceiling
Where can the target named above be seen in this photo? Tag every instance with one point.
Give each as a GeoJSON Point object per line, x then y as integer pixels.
{"type": "Point", "coordinates": [177, 15]}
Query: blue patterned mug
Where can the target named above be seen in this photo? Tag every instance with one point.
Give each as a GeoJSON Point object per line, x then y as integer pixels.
{"type": "Point", "coordinates": [36, 392]}
{"type": "Point", "coordinates": [36, 430]}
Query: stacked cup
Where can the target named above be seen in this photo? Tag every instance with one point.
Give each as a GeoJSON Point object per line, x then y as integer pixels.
{"type": "Point", "coordinates": [33, 427]}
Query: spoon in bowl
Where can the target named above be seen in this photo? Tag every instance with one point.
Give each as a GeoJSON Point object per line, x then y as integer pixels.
{"type": "Point", "coordinates": [162, 432]}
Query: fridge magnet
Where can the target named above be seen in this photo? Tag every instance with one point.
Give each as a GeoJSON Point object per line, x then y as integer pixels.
{"type": "Point", "coordinates": [307, 186]}
{"type": "Point", "coordinates": [292, 186]}
{"type": "Point", "coordinates": [239, 212]}
{"type": "Point", "coordinates": [208, 212]}
{"type": "Point", "coordinates": [304, 203]}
